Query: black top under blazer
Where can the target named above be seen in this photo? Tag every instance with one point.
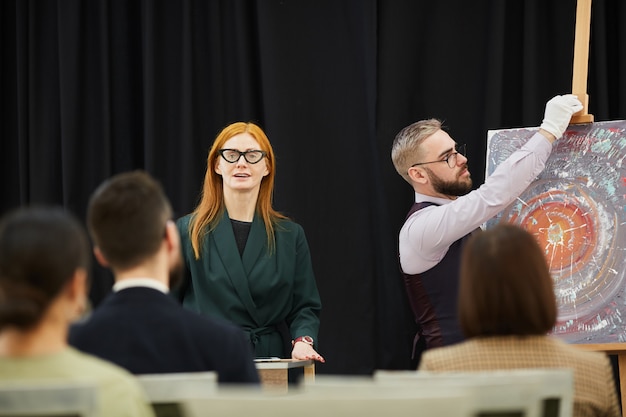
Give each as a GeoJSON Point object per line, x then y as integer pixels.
{"type": "Point", "coordinates": [148, 332]}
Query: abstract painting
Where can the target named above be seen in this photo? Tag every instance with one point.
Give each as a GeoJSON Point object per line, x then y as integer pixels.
{"type": "Point", "coordinates": [576, 209]}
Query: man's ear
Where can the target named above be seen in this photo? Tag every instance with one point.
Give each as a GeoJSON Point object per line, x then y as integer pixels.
{"type": "Point", "coordinates": [418, 175]}
{"type": "Point", "coordinates": [100, 257]}
{"type": "Point", "coordinates": [172, 237]}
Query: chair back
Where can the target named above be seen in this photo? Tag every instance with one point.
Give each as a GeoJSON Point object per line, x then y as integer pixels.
{"type": "Point", "coordinates": [167, 391]}
{"type": "Point", "coordinates": [551, 390]}
{"type": "Point", "coordinates": [449, 403]}
{"type": "Point", "coordinates": [507, 400]}
{"type": "Point", "coordinates": [58, 398]}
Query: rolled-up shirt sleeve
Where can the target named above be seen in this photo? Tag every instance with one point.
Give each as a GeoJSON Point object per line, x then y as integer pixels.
{"type": "Point", "coordinates": [428, 233]}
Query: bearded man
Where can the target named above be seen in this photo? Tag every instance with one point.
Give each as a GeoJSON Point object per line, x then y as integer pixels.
{"type": "Point", "coordinates": [446, 210]}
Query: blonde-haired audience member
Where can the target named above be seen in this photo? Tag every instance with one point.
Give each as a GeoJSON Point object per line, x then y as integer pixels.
{"type": "Point", "coordinates": [506, 308]}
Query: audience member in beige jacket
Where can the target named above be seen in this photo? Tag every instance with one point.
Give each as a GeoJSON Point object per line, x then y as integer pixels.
{"type": "Point", "coordinates": [506, 308]}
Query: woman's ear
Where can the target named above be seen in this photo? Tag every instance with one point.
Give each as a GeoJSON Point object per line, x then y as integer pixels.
{"type": "Point", "coordinates": [77, 290]}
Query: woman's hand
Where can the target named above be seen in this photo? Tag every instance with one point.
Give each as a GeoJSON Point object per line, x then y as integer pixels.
{"type": "Point", "coordinates": [304, 351]}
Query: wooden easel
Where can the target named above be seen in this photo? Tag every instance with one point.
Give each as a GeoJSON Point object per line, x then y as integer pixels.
{"type": "Point", "coordinates": [581, 58]}
{"type": "Point", "coordinates": [579, 88]}
{"type": "Point", "coordinates": [616, 349]}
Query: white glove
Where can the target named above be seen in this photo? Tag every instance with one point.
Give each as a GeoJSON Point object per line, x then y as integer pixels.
{"type": "Point", "coordinates": [559, 111]}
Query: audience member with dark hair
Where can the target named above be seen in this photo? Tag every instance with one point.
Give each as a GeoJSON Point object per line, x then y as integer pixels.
{"type": "Point", "coordinates": [139, 326]}
{"type": "Point", "coordinates": [506, 308]}
{"type": "Point", "coordinates": [44, 259]}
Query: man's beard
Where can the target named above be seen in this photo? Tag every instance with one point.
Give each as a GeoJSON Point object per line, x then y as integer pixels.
{"type": "Point", "coordinates": [455, 188]}
{"type": "Point", "coordinates": [176, 273]}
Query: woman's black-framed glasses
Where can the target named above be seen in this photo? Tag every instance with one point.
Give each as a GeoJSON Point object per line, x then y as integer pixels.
{"type": "Point", "coordinates": [450, 159]}
{"type": "Point", "coordinates": [233, 155]}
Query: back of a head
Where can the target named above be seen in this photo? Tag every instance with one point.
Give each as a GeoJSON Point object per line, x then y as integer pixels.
{"type": "Point", "coordinates": [40, 250]}
{"type": "Point", "coordinates": [505, 285]}
{"type": "Point", "coordinates": [127, 217]}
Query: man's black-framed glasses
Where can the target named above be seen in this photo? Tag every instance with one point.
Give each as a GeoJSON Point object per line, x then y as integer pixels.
{"type": "Point", "coordinates": [450, 159]}
{"type": "Point", "coordinates": [232, 155]}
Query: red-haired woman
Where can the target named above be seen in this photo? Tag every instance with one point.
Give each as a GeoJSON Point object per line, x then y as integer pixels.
{"type": "Point", "coordinates": [246, 262]}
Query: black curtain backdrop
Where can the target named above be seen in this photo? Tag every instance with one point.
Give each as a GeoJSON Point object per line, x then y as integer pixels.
{"type": "Point", "coordinates": [92, 88]}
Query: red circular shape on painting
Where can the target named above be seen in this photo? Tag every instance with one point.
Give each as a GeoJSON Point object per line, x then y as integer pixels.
{"type": "Point", "coordinates": [578, 236]}
{"type": "Point", "coordinates": [563, 229]}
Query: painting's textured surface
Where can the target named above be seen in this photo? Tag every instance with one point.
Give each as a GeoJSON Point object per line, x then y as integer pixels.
{"type": "Point", "coordinates": [576, 209]}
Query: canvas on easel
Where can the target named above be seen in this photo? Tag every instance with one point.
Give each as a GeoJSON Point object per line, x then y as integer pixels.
{"type": "Point", "coordinates": [576, 208]}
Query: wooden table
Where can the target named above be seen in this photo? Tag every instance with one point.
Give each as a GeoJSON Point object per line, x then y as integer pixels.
{"type": "Point", "coordinates": [619, 350]}
{"type": "Point", "coordinates": [274, 374]}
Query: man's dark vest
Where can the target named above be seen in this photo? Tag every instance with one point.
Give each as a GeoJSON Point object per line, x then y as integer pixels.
{"type": "Point", "coordinates": [433, 296]}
